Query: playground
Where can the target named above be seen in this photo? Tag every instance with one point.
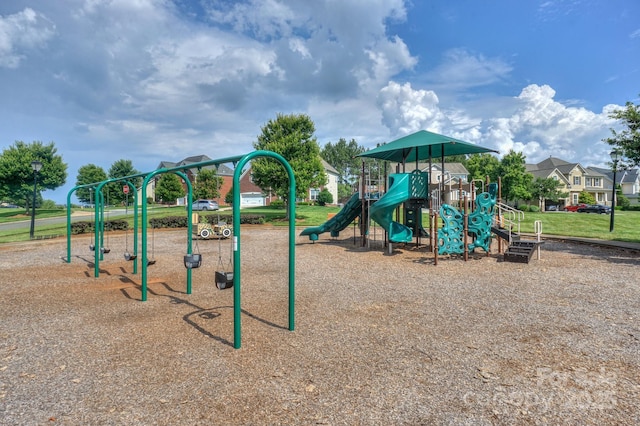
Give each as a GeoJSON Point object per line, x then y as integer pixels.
{"type": "Point", "coordinates": [380, 338]}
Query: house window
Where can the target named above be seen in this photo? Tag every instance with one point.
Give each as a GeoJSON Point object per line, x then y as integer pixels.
{"type": "Point", "coordinates": [574, 199]}
{"type": "Point", "coordinates": [576, 180]}
{"type": "Point", "coordinates": [600, 197]}
{"type": "Point", "coordinates": [597, 182]}
{"type": "Point", "coordinates": [313, 194]}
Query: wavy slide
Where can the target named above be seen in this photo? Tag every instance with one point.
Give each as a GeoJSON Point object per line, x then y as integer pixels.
{"type": "Point", "coordinates": [341, 220]}
{"type": "Point", "coordinates": [382, 210]}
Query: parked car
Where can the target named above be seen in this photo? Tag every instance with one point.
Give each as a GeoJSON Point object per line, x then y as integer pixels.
{"type": "Point", "coordinates": [8, 206]}
{"type": "Point", "coordinates": [574, 208]}
{"type": "Point", "coordinates": [595, 208]}
{"type": "Point", "coordinates": [205, 205]}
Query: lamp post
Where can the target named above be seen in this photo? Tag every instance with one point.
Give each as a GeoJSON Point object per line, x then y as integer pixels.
{"type": "Point", "coordinates": [36, 166]}
{"type": "Point", "coordinates": [615, 157]}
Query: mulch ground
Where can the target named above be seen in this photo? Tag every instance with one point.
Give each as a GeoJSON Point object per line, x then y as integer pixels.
{"type": "Point", "coordinates": [379, 339]}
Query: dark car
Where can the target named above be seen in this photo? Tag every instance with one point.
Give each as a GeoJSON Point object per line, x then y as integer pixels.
{"type": "Point", "coordinates": [595, 208]}
{"type": "Point", "coordinates": [204, 205]}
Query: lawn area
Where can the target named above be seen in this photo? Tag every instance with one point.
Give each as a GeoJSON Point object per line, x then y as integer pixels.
{"type": "Point", "coordinates": [627, 224]}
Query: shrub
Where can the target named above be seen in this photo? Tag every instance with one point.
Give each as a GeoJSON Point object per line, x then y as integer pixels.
{"type": "Point", "coordinates": [325, 197]}
{"type": "Point", "coordinates": [277, 204]}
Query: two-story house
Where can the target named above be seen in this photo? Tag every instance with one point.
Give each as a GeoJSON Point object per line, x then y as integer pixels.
{"type": "Point", "coordinates": [573, 178]}
{"type": "Point", "coordinates": [627, 180]}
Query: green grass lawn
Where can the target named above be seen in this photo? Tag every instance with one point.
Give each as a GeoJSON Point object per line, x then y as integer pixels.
{"type": "Point", "coordinates": [627, 224]}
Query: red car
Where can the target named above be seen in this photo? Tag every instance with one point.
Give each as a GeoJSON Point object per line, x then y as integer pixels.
{"type": "Point", "coordinates": [574, 208]}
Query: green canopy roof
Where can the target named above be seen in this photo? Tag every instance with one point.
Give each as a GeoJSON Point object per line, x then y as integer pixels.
{"type": "Point", "coordinates": [423, 145]}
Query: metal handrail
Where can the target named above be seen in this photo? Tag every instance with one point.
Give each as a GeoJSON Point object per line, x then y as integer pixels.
{"type": "Point", "coordinates": [509, 215]}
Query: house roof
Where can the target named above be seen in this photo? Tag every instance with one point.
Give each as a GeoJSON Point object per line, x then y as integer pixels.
{"type": "Point", "coordinates": [221, 169]}
{"type": "Point", "coordinates": [329, 168]}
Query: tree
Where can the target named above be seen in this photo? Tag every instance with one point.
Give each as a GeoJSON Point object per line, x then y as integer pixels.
{"type": "Point", "coordinates": [169, 188]}
{"type": "Point", "coordinates": [228, 199]}
{"type": "Point", "coordinates": [342, 156]}
{"type": "Point", "coordinates": [627, 140]}
{"type": "Point", "coordinates": [515, 178]}
{"type": "Point", "coordinates": [542, 189]}
{"type": "Point", "coordinates": [87, 174]}
{"type": "Point", "coordinates": [586, 198]}
{"type": "Point", "coordinates": [16, 173]}
{"type": "Point", "coordinates": [207, 184]}
{"type": "Point", "coordinates": [292, 137]}
{"type": "Point", "coordinates": [482, 165]}
{"type": "Point", "coordinates": [119, 169]}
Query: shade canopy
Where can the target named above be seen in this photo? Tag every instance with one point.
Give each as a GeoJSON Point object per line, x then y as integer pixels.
{"type": "Point", "coordinates": [423, 145]}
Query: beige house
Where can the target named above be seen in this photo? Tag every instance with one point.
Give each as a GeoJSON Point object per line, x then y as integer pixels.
{"type": "Point", "coordinates": [573, 178]}
{"type": "Point", "coordinates": [332, 183]}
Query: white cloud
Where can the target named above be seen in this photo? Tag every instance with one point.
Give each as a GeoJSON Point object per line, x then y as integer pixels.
{"type": "Point", "coordinates": [461, 70]}
{"type": "Point", "coordinates": [21, 32]}
{"type": "Point", "coordinates": [635, 34]}
{"type": "Point", "coordinates": [405, 110]}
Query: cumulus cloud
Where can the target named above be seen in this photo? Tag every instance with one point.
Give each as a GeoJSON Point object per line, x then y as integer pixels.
{"type": "Point", "coordinates": [21, 32]}
{"type": "Point", "coordinates": [540, 126]}
{"type": "Point", "coordinates": [405, 110]}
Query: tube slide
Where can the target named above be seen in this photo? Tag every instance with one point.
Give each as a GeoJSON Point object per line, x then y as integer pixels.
{"type": "Point", "coordinates": [382, 210]}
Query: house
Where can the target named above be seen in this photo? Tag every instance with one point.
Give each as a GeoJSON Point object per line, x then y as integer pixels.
{"type": "Point", "coordinates": [332, 183]}
{"type": "Point", "coordinates": [573, 178]}
{"type": "Point", "coordinates": [627, 180]}
{"type": "Point", "coordinates": [223, 171]}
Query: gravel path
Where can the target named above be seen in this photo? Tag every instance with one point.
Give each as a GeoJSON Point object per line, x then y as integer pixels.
{"type": "Point", "coordinates": [380, 339]}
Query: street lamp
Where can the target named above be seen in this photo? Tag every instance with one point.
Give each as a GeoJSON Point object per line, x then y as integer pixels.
{"type": "Point", "coordinates": [615, 157]}
{"type": "Point", "coordinates": [36, 166]}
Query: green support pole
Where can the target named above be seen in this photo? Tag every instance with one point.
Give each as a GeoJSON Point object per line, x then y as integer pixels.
{"type": "Point", "coordinates": [74, 189]}
{"type": "Point", "coordinates": [237, 309]}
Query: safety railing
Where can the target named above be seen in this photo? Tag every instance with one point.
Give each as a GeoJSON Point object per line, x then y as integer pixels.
{"type": "Point", "coordinates": [508, 218]}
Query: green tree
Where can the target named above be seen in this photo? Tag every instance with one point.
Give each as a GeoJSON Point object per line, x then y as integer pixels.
{"type": "Point", "coordinates": [228, 199]}
{"type": "Point", "coordinates": [17, 175]}
{"type": "Point", "coordinates": [89, 173]}
{"type": "Point", "coordinates": [342, 156]}
{"type": "Point", "coordinates": [169, 188]}
{"type": "Point", "coordinates": [627, 140]}
{"type": "Point", "coordinates": [291, 136]}
{"type": "Point", "coordinates": [482, 165]}
{"type": "Point", "coordinates": [586, 198]}
{"type": "Point", "coordinates": [207, 185]}
{"type": "Point", "coordinates": [516, 181]}
{"type": "Point", "coordinates": [113, 191]}
{"type": "Point", "coordinates": [542, 189]}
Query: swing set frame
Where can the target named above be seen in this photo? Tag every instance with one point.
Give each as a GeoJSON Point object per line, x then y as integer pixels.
{"type": "Point", "coordinates": [239, 162]}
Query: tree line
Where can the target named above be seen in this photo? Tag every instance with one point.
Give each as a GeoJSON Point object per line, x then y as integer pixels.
{"type": "Point", "coordinates": [293, 137]}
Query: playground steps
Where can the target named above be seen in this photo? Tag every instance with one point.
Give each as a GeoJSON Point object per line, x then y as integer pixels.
{"type": "Point", "coordinates": [520, 251]}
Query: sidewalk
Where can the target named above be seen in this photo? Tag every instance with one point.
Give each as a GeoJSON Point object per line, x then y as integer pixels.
{"type": "Point", "coordinates": [604, 243]}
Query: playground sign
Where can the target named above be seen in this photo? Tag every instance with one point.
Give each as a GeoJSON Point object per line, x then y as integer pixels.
{"type": "Point", "coordinates": [125, 189]}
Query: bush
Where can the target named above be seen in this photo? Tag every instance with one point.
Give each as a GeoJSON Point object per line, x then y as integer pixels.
{"type": "Point", "coordinates": [325, 197]}
{"type": "Point", "coordinates": [277, 204]}
{"type": "Point", "coordinates": [168, 222]}
{"type": "Point", "coordinates": [86, 227]}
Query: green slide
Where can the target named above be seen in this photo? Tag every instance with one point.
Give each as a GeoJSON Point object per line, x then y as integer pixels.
{"type": "Point", "coordinates": [382, 210]}
{"type": "Point", "coordinates": [349, 212]}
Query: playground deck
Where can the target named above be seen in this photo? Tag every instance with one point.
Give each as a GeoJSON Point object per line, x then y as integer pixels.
{"type": "Point", "coordinates": [380, 339]}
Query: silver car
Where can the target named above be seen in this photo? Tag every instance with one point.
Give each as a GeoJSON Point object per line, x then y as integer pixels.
{"type": "Point", "coordinates": [205, 205]}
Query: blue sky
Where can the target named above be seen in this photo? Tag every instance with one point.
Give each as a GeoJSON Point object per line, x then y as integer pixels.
{"type": "Point", "coordinates": [162, 80]}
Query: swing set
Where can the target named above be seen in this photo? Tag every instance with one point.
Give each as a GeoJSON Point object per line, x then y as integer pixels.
{"type": "Point", "coordinates": [225, 278]}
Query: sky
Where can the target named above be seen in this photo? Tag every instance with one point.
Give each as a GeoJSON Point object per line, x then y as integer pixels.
{"type": "Point", "coordinates": [161, 80]}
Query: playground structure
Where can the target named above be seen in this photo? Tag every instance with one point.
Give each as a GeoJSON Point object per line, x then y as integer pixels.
{"type": "Point", "coordinates": [451, 230]}
{"type": "Point", "coordinates": [192, 260]}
